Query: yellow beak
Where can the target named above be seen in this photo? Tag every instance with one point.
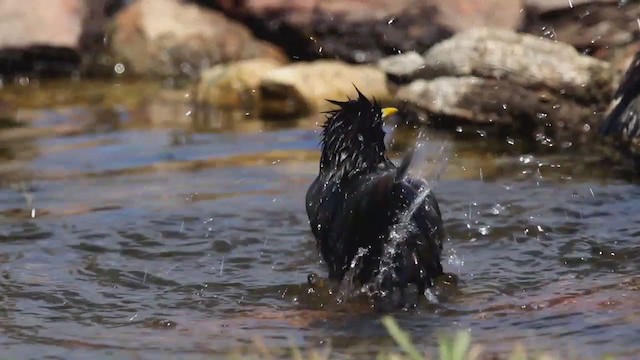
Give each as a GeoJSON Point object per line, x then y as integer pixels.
{"type": "Point", "coordinates": [388, 111]}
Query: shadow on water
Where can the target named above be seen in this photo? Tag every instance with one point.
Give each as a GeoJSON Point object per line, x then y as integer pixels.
{"type": "Point", "coordinates": [129, 226]}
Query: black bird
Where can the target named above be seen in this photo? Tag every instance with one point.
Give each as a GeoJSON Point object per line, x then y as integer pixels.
{"type": "Point", "coordinates": [358, 205]}
{"type": "Point", "coordinates": [622, 121]}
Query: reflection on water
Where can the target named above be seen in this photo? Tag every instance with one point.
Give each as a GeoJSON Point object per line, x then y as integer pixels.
{"type": "Point", "coordinates": [132, 227]}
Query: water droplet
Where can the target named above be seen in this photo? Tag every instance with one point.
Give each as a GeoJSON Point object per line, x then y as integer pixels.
{"type": "Point", "coordinates": [526, 159]}
{"type": "Point", "coordinates": [484, 230]}
{"type": "Point", "coordinates": [119, 68]}
{"type": "Point", "coordinates": [497, 209]}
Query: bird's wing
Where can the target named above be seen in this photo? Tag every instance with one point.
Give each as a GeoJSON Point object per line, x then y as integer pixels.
{"type": "Point", "coordinates": [627, 91]}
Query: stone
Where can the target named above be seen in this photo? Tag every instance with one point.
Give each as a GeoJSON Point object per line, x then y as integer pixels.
{"type": "Point", "coordinates": [235, 85]}
{"type": "Point", "coordinates": [55, 23]}
{"type": "Point", "coordinates": [402, 67]}
{"type": "Point", "coordinates": [50, 37]}
{"type": "Point", "coordinates": [32, 37]}
{"type": "Point", "coordinates": [522, 59]}
{"type": "Point", "coordinates": [301, 88]}
{"type": "Point", "coordinates": [171, 38]}
{"type": "Point", "coordinates": [528, 86]}
{"type": "Point", "coordinates": [593, 27]}
{"type": "Point", "coordinates": [311, 29]}
{"type": "Point", "coordinates": [481, 101]}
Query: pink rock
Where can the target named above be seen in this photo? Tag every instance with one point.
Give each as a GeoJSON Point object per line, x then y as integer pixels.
{"type": "Point", "coordinates": [367, 30]}
{"type": "Point", "coordinates": [169, 37]}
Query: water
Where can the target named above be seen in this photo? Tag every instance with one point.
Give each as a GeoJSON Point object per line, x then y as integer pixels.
{"type": "Point", "coordinates": [129, 229]}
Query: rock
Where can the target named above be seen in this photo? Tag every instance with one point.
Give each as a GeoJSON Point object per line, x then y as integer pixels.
{"type": "Point", "coordinates": [593, 27]}
{"type": "Point", "coordinates": [542, 6]}
{"type": "Point", "coordinates": [49, 37]}
{"type": "Point", "coordinates": [303, 87]}
{"type": "Point", "coordinates": [235, 85]}
{"type": "Point", "coordinates": [402, 67]}
{"type": "Point", "coordinates": [533, 87]}
{"type": "Point", "coordinates": [522, 59]}
{"type": "Point", "coordinates": [310, 29]}
{"type": "Point", "coordinates": [462, 15]}
{"type": "Point", "coordinates": [168, 37]}
{"type": "Point", "coordinates": [36, 35]}
{"type": "Point", "coordinates": [481, 101]}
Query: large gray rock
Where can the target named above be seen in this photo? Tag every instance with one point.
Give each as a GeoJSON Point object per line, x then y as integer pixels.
{"type": "Point", "coordinates": [596, 27]}
{"type": "Point", "coordinates": [402, 67]}
{"type": "Point", "coordinates": [522, 59]}
{"type": "Point", "coordinates": [481, 101]}
{"type": "Point", "coordinates": [533, 86]}
{"type": "Point", "coordinates": [169, 37]}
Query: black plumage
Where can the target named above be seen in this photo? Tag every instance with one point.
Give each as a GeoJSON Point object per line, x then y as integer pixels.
{"type": "Point", "coordinates": [622, 121]}
{"type": "Point", "coordinates": [358, 203]}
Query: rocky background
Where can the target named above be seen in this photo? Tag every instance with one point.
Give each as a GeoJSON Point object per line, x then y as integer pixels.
{"type": "Point", "coordinates": [538, 68]}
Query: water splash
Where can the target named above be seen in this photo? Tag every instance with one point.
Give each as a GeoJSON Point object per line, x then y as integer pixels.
{"type": "Point", "coordinates": [430, 159]}
{"type": "Point", "coordinates": [348, 287]}
{"type": "Point", "coordinates": [429, 163]}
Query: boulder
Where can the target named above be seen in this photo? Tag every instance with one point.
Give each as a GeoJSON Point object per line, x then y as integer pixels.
{"type": "Point", "coordinates": [596, 27]}
{"type": "Point", "coordinates": [310, 29]}
{"type": "Point", "coordinates": [168, 37]}
{"type": "Point", "coordinates": [51, 37]}
{"type": "Point", "coordinates": [402, 67]}
{"type": "Point", "coordinates": [533, 86]}
{"type": "Point", "coordinates": [469, 100]}
{"type": "Point", "coordinates": [233, 86]}
{"type": "Point", "coordinates": [36, 36]}
{"type": "Point", "coordinates": [304, 87]}
{"type": "Point", "coordinates": [522, 59]}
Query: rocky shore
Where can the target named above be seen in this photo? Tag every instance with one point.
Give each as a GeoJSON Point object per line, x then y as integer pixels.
{"type": "Point", "coordinates": [532, 68]}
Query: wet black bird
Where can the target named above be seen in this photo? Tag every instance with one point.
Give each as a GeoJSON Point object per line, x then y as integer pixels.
{"type": "Point", "coordinates": [358, 203]}
{"type": "Point", "coordinates": [623, 117]}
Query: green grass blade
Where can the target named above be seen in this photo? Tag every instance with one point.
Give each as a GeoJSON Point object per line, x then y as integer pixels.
{"type": "Point", "coordinates": [402, 338]}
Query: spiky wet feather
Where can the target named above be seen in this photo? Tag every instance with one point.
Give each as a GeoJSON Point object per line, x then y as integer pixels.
{"type": "Point", "coordinates": [352, 138]}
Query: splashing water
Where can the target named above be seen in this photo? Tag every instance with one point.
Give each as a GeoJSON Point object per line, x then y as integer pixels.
{"type": "Point", "coordinates": [428, 164]}
{"type": "Point", "coordinates": [347, 287]}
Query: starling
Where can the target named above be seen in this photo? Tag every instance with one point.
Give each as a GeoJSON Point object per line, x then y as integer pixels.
{"type": "Point", "coordinates": [622, 121]}
{"type": "Point", "coordinates": [367, 214]}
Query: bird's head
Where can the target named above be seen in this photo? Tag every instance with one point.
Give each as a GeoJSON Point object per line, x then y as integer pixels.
{"type": "Point", "coordinates": [353, 137]}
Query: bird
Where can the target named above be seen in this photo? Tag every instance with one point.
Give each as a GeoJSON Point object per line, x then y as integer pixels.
{"type": "Point", "coordinates": [368, 214]}
{"type": "Point", "coordinates": [622, 120]}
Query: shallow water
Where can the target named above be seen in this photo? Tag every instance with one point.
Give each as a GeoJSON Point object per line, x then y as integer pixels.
{"type": "Point", "coordinates": [137, 229]}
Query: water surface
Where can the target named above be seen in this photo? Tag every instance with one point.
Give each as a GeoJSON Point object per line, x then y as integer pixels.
{"type": "Point", "coordinates": [131, 227]}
